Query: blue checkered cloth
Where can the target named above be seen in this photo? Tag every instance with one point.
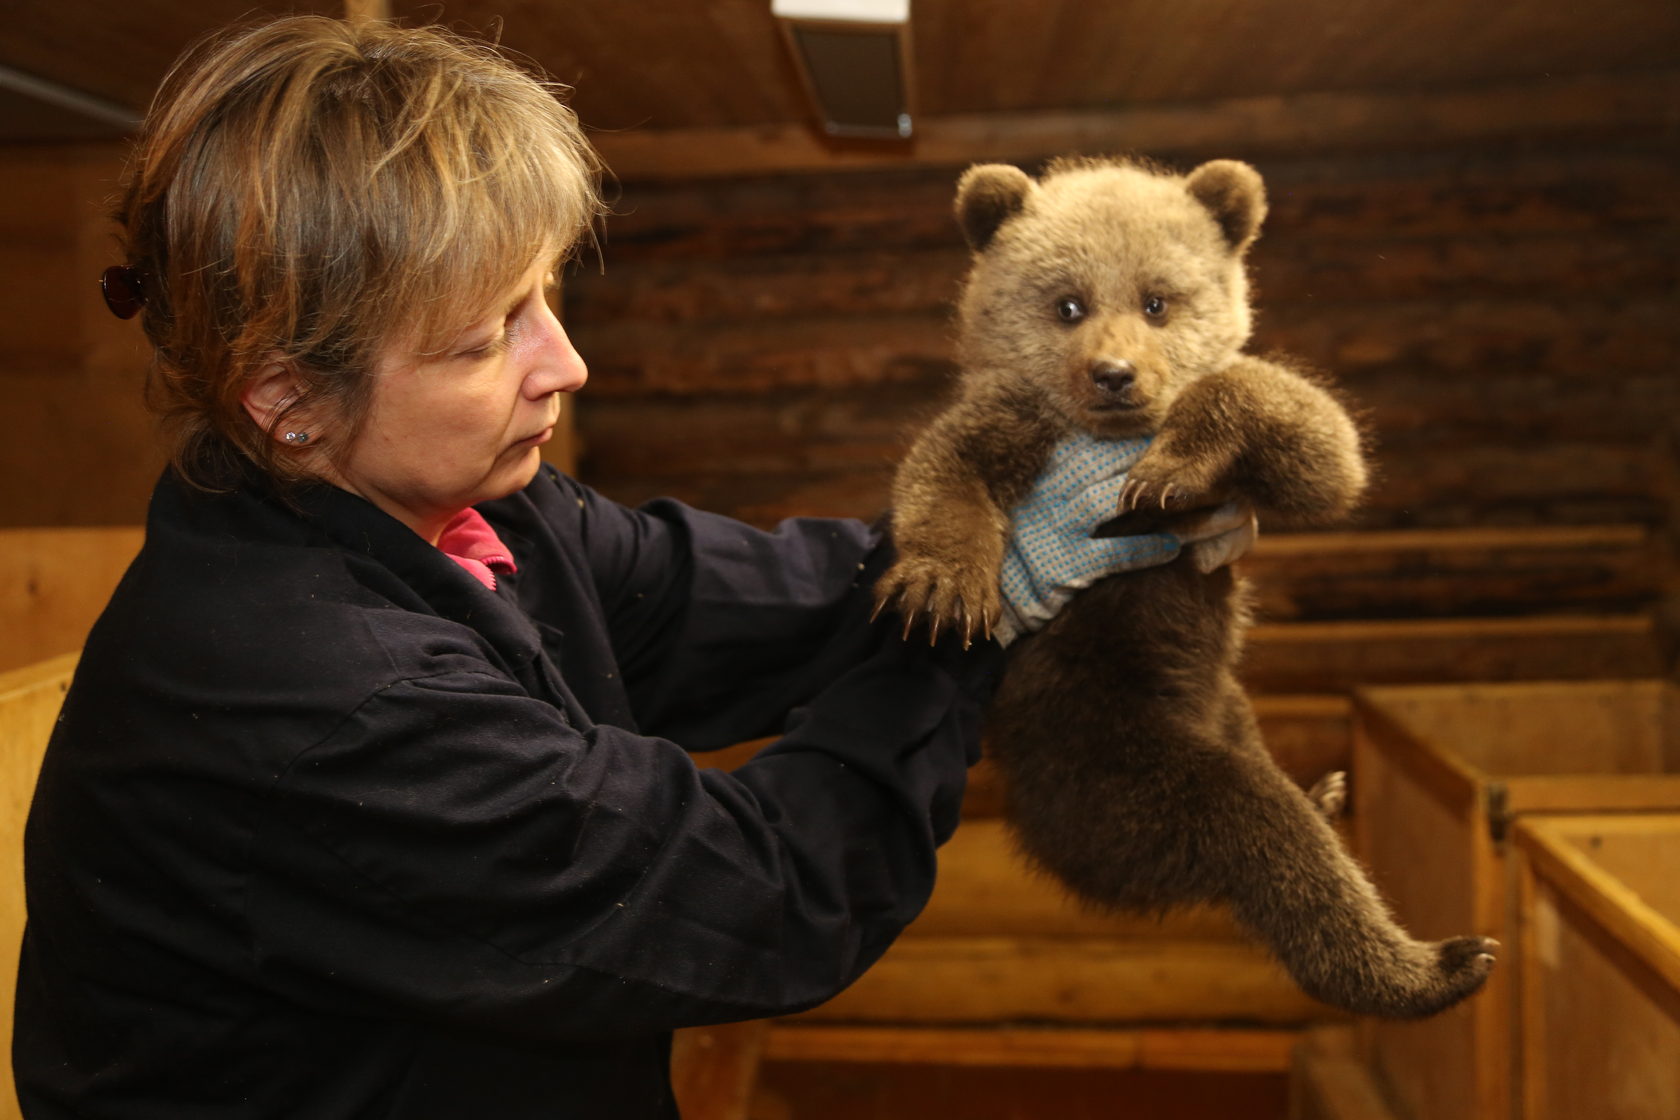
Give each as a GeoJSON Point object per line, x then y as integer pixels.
{"type": "Point", "coordinates": [1051, 553]}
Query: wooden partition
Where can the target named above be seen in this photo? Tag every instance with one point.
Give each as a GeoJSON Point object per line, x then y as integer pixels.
{"type": "Point", "coordinates": [53, 584]}
{"type": "Point", "coordinates": [1441, 774]}
{"type": "Point", "coordinates": [1600, 967]}
{"type": "Point", "coordinates": [29, 703]}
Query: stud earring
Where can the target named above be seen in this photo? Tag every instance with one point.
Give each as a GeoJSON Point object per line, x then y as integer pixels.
{"type": "Point", "coordinates": [297, 439]}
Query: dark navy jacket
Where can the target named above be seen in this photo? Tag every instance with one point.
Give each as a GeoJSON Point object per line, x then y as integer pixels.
{"type": "Point", "coordinates": [328, 829]}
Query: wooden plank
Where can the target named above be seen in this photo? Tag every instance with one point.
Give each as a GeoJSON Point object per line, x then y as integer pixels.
{"type": "Point", "coordinates": [1624, 792]}
{"type": "Point", "coordinates": [1213, 1050]}
{"type": "Point", "coordinates": [29, 701]}
{"type": "Point", "coordinates": [992, 979]}
{"type": "Point", "coordinates": [714, 1069]}
{"type": "Point", "coordinates": [1571, 108]}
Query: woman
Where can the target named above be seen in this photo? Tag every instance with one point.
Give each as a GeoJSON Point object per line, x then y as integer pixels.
{"type": "Point", "coordinates": [366, 800]}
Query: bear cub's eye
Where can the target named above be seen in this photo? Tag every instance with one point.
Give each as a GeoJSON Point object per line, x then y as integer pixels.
{"type": "Point", "coordinates": [1069, 309]}
{"type": "Point", "coordinates": [1155, 307]}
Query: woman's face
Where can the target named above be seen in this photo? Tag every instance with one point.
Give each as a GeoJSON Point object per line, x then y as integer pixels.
{"type": "Point", "coordinates": [446, 431]}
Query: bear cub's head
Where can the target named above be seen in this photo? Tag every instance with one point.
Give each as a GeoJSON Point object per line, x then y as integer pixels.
{"type": "Point", "coordinates": [1106, 286]}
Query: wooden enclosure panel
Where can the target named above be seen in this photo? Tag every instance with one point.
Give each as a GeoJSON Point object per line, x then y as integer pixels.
{"type": "Point", "coordinates": [1425, 815]}
{"type": "Point", "coordinates": [1671, 730]}
{"type": "Point", "coordinates": [1426, 849]}
{"type": "Point", "coordinates": [1606, 1048]}
{"type": "Point", "coordinates": [1552, 727]}
{"type": "Point", "coordinates": [1600, 971]}
{"type": "Point", "coordinates": [1327, 1081]}
{"type": "Point", "coordinates": [29, 703]}
{"type": "Point", "coordinates": [54, 583]}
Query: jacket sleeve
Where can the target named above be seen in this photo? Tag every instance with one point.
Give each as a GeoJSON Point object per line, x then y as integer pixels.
{"type": "Point", "coordinates": [721, 628]}
{"type": "Point", "coordinates": [456, 851]}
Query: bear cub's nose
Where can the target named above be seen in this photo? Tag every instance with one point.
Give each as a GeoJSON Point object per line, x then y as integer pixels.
{"type": "Point", "coordinates": [1113, 375]}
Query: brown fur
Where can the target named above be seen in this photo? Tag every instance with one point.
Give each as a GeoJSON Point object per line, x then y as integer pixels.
{"type": "Point", "coordinates": [1135, 767]}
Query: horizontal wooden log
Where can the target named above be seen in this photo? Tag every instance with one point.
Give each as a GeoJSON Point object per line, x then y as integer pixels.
{"type": "Point", "coordinates": [1500, 358]}
{"type": "Point", "coordinates": [1442, 195]}
{"type": "Point", "coordinates": [1466, 490]}
{"type": "Point", "coordinates": [703, 359]}
{"type": "Point", "coordinates": [1288, 271]}
{"type": "Point", "coordinates": [1210, 1050]}
{"type": "Point", "coordinates": [1562, 108]}
{"type": "Point", "coordinates": [1075, 980]}
{"type": "Point", "coordinates": [1456, 573]}
{"type": "Point", "coordinates": [1374, 264]}
{"type": "Point", "coordinates": [1338, 656]}
{"type": "Point", "coordinates": [753, 288]}
{"type": "Point", "coordinates": [1480, 336]}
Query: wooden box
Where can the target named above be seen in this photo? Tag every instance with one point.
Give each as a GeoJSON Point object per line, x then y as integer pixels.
{"type": "Point", "coordinates": [1599, 970]}
{"type": "Point", "coordinates": [1440, 774]}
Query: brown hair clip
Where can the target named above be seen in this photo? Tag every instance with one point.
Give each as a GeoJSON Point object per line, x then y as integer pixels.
{"type": "Point", "coordinates": [124, 289]}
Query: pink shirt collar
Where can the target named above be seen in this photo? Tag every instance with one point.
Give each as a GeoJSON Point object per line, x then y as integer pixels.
{"type": "Point", "coordinates": [470, 542]}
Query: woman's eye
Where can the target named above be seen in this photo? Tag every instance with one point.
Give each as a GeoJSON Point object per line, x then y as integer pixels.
{"type": "Point", "coordinates": [1154, 307]}
{"type": "Point", "coordinates": [487, 348]}
{"type": "Point", "coordinates": [1069, 310]}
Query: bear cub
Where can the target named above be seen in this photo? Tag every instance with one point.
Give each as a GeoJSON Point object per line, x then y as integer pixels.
{"type": "Point", "coordinates": [1109, 298]}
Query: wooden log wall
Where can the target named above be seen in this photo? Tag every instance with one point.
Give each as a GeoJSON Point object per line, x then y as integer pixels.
{"type": "Point", "coordinates": [1506, 314]}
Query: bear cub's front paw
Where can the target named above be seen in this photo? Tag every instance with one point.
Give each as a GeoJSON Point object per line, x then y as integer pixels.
{"type": "Point", "coordinates": [942, 593]}
{"type": "Point", "coordinates": [1163, 482]}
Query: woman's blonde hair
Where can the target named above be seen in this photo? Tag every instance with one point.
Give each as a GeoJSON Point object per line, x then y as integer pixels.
{"type": "Point", "coordinates": [309, 190]}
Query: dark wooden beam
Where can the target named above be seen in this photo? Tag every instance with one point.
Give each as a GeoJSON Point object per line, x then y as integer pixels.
{"type": "Point", "coordinates": [1635, 103]}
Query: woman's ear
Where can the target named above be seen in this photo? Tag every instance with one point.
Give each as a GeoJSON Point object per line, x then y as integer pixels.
{"type": "Point", "coordinates": [268, 392]}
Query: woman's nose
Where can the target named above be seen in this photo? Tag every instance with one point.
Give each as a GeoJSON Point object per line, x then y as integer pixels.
{"type": "Point", "coordinates": [557, 368]}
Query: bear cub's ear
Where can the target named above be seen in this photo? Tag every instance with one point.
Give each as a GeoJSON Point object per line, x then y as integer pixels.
{"type": "Point", "coordinates": [988, 195]}
{"type": "Point", "coordinates": [1234, 195]}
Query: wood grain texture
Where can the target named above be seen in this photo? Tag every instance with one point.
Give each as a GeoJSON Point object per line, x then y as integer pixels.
{"type": "Point", "coordinates": [29, 701]}
{"type": "Point", "coordinates": [53, 584]}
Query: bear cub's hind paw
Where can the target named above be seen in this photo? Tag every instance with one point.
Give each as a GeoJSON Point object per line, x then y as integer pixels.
{"type": "Point", "coordinates": [1330, 794]}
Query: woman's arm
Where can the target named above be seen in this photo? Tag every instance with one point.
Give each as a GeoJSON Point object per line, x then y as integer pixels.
{"type": "Point", "coordinates": [456, 851]}
{"type": "Point", "coordinates": [719, 628]}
